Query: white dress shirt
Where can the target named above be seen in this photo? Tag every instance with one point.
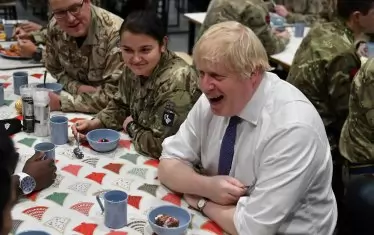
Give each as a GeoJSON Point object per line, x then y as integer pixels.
{"type": "Point", "coordinates": [281, 151]}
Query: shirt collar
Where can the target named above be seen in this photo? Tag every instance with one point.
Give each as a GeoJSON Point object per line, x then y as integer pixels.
{"type": "Point", "coordinates": [253, 109]}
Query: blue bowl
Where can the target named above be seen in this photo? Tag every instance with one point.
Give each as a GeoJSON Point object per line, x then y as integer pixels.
{"type": "Point", "coordinates": [55, 87]}
{"type": "Point", "coordinates": [33, 232]}
{"type": "Point", "coordinates": [94, 138]}
{"type": "Point", "coordinates": [177, 212]}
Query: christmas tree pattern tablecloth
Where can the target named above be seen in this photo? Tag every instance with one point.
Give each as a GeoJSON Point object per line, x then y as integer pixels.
{"type": "Point", "coordinates": [69, 205]}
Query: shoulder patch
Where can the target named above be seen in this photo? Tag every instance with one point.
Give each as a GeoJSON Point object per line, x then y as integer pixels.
{"type": "Point", "coordinates": [168, 118]}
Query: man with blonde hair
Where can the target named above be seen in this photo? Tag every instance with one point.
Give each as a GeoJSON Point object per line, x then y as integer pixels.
{"type": "Point", "coordinates": [261, 145]}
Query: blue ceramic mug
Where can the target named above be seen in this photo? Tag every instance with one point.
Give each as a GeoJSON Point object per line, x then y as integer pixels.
{"type": "Point", "coordinates": [47, 148]}
{"type": "Point", "coordinates": [59, 130]}
{"type": "Point", "coordinates": [114, 209]}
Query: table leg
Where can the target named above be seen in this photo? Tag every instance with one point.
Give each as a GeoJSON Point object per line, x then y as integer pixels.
{"type": "Point", "coordinates": [191, 36]}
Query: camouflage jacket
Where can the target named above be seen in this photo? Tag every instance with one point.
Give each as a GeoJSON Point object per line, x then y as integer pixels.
{"type": "Point", "coordinates": [357, 138]}
{"type": "Point", "coordinates": [158, 104]}
{"type": "Point", "coordinates": [251, 13]}
{"type": "Point", "coordinates": [323, 69]}
{"type": "Point", "coordinates": [307, 11]}
{"type": "Point", "coordinates": [91, 64]}
{"type": "Point", "coordinates": [39, 37]}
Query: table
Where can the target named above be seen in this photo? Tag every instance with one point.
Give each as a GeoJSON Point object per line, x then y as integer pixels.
{"type": "Point", "coordinates": [193, 19]}
{"type": "Point", "coordinates": [284, 58]}
{"type": "Point", "coordinates": [69, 205]}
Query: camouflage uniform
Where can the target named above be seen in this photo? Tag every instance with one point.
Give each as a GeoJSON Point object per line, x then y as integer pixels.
{"type": "Point", "coordinates": [323, 68]}
{"type": "Point", "coordinates": [39, 37]}
{"type": "Point", "coordinates": [91, 64]}
{"type": "Point", "coordinates": [158, 104]}
{"type": "Point", "coordinates": [357, 138]}
{"type": "Point", "coordinates": [96, 2]}
{"type": "Point", "coordinates": [307, 11]}
{"type": "Point", "coordinates": [251, 13]}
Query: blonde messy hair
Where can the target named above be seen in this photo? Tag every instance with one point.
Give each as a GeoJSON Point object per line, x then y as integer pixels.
{"type": "Point", "coordinates": [234, 46]}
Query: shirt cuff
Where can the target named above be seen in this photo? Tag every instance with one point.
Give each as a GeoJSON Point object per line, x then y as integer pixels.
{"type": "Point", "coordinates": [67, 105]}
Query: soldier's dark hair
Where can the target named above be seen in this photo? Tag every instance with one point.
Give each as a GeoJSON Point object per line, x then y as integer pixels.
{"type": "Point", "coordinates": [345, 8]}
{"type": "Point", "coordinates": [8, 161]}
{"type": "Point", "coordinates": [141, 18]}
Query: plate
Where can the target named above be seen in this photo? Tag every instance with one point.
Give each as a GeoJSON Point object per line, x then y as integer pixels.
{"type": "Point", "coordinates": [13, 57]}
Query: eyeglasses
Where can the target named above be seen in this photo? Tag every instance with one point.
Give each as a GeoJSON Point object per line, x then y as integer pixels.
{"type": "Point", "coordinates": [74, 10]}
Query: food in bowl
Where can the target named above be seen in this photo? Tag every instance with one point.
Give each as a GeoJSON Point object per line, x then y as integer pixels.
{"type": "Point", "coordinates": [103, 140]}
{"type": "Point", "coordinates": [166, 221]}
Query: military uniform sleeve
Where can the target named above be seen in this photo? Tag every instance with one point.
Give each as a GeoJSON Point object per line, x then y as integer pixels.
{"type": "Point", "coordinates": [94, 102]}
{"type": "Point", "coordinates": [117, 109]}
{"type": "Point", "coordinates": [39, 37]}
{"type": "Point", "coordinates": [308, 19]}
{"type": "Point", "coordinates": [54, 67]}
{"type": "Point", "coordinates": [171, 110]}
{"type": "Point", "coordinates": [341, 71]}
{"type": "Point", "coordinates": [257, 18]}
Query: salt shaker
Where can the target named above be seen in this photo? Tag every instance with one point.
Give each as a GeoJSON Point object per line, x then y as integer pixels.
{"type": "Point", "coordinates": [41, 112]}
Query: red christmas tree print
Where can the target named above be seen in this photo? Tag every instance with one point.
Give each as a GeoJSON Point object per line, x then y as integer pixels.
{"type": "Point", "coordinates": [125, 144]}
{"type": "Point", "coordinates": [152, 162]}
{"type": "Point", "coordinates": [115, 167]}
{"type": "Point", "coordinates": [96, 176]}
{"type": "Point", "coordinates": [83, 207]}
{"type": "Point", "coordinates": [85, 228]}
{"type": "Point", "coordinates": [213, 227]}
{"type": "Point", "coordinates": [173, 198]}
{"type": "Point", "coordinates": [134, 201]}
{"type": "Point", "coordinates": [36, 212]}
{"type": "Point", "coordinates": [72, 169]}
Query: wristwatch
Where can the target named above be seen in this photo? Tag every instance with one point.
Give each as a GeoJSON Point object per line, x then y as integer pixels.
{"type": "Point", "coordinates": [201, 204]}
{"type": "Point", "coordinates": [27, 183]}
{"type": "Point", "coordinates": [38, 54]}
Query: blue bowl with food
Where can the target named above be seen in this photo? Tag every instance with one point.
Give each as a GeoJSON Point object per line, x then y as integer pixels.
{"type": "Point", "coordinates": [103, 140]}
{"type": "Point", "coordinates": [55, 87]}
{"type": "Point", "coordinates": [169, 220]}
{"type": "Point", "coordinates": [33, 232]}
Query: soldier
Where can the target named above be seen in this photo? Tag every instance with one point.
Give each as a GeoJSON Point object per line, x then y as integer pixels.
{"type": "Point", "coordinates": [357, 147]}
{"type": "Point", "coordinates": [82, 54]}
{"type": "Point", "coordinates": [356, 142]}
{"type": "Point", "coordinates": [305, 11]}
{"type": "Point", "coordinates": [326, 61]}
{"type": "Point", "coordinates": [253, 14]}
{"type": "Point", "coordinates": [156, 91]}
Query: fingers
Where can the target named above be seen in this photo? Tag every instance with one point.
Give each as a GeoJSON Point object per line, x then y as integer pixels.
{"type": "Point", "coordinates": [37, 156]}
{"type": "Point", "coordinates": [235, 182]}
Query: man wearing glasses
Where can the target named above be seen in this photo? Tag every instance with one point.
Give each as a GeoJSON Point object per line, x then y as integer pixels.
{"type": "Point", "coordinates": [82, 54]}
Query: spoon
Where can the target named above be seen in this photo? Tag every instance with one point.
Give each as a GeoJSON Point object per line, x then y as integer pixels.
{"type": "Point", "coordinates": [45, 77]}
{"type": "Point", "coordinates": [77, 151]}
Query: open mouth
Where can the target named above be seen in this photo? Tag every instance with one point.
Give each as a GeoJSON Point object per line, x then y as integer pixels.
{"type": "Point", "coordinates": [215, 100]}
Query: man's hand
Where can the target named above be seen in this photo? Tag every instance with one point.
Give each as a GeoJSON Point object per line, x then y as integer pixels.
{"type": "Point", "coordinates": [43, 171]}
{"type": "Point", "coordinates": [82, 127]}
{"type": "Point", "coordinates": [126, 122]}
{"type": "Point", "coordinates": [283, 34]}
{"type": "Point", "coordinates": [19, 33]}
{"type": "Point", "coordinates": [225, 190]}
{"type": "Point", "coordinates": [28, 48]}
{"type": "Point", "coordinates": [54, 102]}
{"type": "Point", "coordinates": [87, 89]}
{"type": "Point", "coordinates": [281, 10]}
{"type": "Point", "coordinates": [29, 27]}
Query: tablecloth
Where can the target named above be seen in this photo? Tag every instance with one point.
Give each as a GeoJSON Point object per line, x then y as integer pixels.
{"type": "Point", "coordinates": [69, 205]}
